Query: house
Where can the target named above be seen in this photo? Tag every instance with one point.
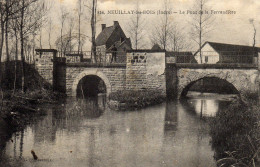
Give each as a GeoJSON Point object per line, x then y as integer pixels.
{"type": "Point", "coordinates": [176, 57]}
{"type": "Point", "coordinates": [109, 36]}
{"type": "Point", "coordinates": [180, 57]}
{"type": "Point", "coordinates": [212, 53]}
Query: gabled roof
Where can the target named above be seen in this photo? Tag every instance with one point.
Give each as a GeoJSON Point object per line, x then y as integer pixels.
{"type": "Point", "coordinates": [231, 49]}
{"type": "Point", "coordinates": [156, 47]}
{"type": "Point", "coordinates": [118, 44]}
{"type": "Point", "coordinates": [104, 35]}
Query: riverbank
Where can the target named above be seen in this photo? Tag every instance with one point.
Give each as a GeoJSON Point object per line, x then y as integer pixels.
{"type": "Point", "coordinates": [236, 132]}
{"type": "Point", "coordinates": [131, 100]}
{"type": "Point", "coordinates": [18, 109]}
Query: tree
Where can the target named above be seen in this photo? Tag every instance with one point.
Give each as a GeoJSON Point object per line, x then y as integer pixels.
{"type": "Point", "coordinates": [29, 21]}
{"type": "Point", "coordinates": [15, 30]}
{"type": "Point", "coordinates": [71, 26]}
{"type": "Point", "coordinates": [63, 18]}
{"type": "Point", "coordinates": [252, 22]}
{"type": "Point", "coordinates": [93, 23]}
{"type": "Point", "coordinates": [162, 30]}
{"type": "Point", "coordinates": [136, 28]}
{"type": "Point", "coordinates": [201, 24]}
{"type": "Point", "coordinates": [49, 32]}
{"type": "Point", "coordinates": [79, 28]}
{"type": "Point", "coordinates": [7, 13]}
{"type": "Point", "coordinates": [177, 39]}
{"type": "Point", "coordinates": [2, 22]}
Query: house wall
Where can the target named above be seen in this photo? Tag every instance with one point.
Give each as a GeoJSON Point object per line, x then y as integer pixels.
{"type": "Point", "coordinates": [121, 55]}
{"type": "Point", "coordinates": [106, 56]}
{"type": "Point", "coordinates": [238, 58]}
{"type": "Point", "coordinates": [101, 52]}
{"type": "Point", "coordinates": [210, 53]}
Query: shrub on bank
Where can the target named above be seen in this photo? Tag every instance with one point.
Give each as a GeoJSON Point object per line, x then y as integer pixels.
{"type": "Point", "coordinates": [235, 133]}
{"type": "Point", "coordinates": [137, 99]}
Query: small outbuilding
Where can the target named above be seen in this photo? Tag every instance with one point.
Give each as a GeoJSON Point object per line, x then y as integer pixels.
{"type": "Point", "coordinates": [213, 53]}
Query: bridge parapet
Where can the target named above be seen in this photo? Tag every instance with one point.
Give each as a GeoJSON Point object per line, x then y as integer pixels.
{"type": "Point", "coordinates": [216, 66]}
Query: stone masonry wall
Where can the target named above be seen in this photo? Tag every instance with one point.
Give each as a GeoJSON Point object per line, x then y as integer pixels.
{"type": "Point", "coordinates": [44, 65]}
{"type": "Point", "coordinates": [244, 80]}
{"type": "Point", "coordinates": [114, 78]}
{"type": "Point", "coordinates": [146, 70]}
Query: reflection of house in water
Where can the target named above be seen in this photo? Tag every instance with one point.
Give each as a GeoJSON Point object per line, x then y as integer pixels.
{"type": "Point", "coordinates": [213, 53]}
{"type": "Point", "coordinates": [109, 36]}
{"type": "Point", "coordinates": [207, 107]}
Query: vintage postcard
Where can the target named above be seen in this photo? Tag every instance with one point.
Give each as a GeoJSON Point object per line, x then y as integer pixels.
{"type": "Point", "coordinates": [129, 83]}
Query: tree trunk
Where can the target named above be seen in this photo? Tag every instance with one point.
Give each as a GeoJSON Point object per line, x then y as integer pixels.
{"type": "Point", "coordinates": [61, 44]}
{"type": "Point", "coordinates": [22, 47]}
{"type": "Point", "coordinates": [93, 28]}
{"type": "Point", "coordinates": [6, 39]}
{"type": "Point", "coordinates": [50, 24]}
{"type": "Point", "coordinates": [200, 31]}
{"type": "Point", "coordinates": [1, 48]}
{"type": "Point", "coordinates": [79, 26]}
{"type": "Point", "coordinates": [16, 59]}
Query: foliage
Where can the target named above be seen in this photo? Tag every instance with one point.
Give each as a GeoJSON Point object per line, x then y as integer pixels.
{"type": "Point", "coordinates": [235, 134]}
{"type": "Point", "coordinates": [33, 79]}
{"type": "Point", "coordinates": [138, 98]}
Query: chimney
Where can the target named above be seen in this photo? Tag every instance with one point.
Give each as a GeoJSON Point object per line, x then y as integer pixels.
{"type": "Point", "coordinates": [103, 26]}
{"type": "Point", "coordinates": [116, 23]}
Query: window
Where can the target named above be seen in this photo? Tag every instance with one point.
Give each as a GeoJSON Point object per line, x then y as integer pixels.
{"type": "Point", "coordinates": [206, 59]}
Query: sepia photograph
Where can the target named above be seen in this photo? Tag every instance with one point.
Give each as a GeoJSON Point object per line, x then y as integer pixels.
{"type": "Point", "coordinates": [129, 83]}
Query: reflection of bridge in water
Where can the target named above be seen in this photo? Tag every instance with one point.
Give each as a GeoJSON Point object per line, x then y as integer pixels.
{"type": "Point", "coordinates": [142, 69]}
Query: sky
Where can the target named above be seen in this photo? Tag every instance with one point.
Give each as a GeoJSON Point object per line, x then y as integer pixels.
{"type": "Point", "coordinates": [226, 28]}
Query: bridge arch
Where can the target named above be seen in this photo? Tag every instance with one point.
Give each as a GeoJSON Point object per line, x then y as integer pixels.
{"type": "Point", "coordinates": [244, 80]}
{"type": "Point", "coordinates": [226, 86]}
{"type": "Point", "coordinates": [91, 72]}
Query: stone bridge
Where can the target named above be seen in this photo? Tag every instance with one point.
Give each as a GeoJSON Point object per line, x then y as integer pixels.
{"type": "Point", "coordinates": [113, 77]}
{"type": "Point", "coordinates": [144, 69]}
{"type": "Point", "coordinates": [180, 77]}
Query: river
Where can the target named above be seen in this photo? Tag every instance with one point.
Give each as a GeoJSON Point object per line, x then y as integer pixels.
{"type": "Point", "coordinates": [79, 133]}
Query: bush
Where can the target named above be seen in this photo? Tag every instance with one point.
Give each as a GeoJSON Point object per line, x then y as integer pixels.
{"type": "Point", "coordinates": [139, 98]}
{"type": "Point", "coordinates": [235, 134]}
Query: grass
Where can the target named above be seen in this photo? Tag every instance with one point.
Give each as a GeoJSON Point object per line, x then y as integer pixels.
{"type": "Point", "coordinates": [235, 133]}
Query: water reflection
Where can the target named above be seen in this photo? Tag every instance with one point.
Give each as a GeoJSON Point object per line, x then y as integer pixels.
{"type": "Point", "coordinates": [87, 133]}
{"type": "Point", "coordinates": [171, 117]}
{"type": "Point", "coordinates": [207, 104]}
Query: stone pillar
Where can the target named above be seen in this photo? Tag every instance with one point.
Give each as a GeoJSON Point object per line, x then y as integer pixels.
{"type": "Point", "coordinates": [171, 81]}
{"type": "Point", "coordinates": [44, 64]}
